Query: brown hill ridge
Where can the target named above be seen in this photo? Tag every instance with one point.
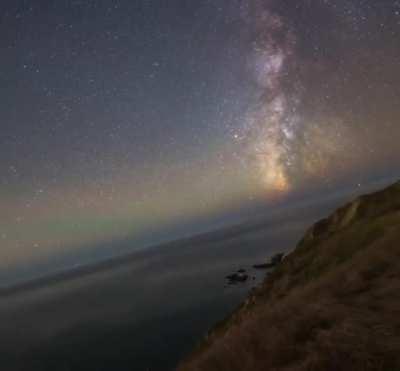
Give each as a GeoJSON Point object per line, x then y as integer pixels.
{"type": "Point", "coordinates": [333, 304]}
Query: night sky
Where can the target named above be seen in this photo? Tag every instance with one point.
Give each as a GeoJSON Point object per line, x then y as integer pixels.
{"type": "Point", "coordinates": [144, 121]}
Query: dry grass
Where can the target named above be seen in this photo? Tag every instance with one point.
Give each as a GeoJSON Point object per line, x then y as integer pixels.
{"type": "Point", "coordinates": [334, 304]}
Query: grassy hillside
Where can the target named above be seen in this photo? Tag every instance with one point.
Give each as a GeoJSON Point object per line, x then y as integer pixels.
{"type": "Point", "coordinates": [333, 304]}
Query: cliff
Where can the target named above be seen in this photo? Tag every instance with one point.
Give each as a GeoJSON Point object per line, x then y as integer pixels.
{"type": "Point", "coordinates": [332, 304]}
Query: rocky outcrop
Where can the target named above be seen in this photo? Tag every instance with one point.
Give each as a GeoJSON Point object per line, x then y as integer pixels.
{"type": "Point", "coordinates": [274, 261]}
{"type": "Point", "coordinates": [239, 276]}
{"type": "Point", "coordinates": [367, 206]}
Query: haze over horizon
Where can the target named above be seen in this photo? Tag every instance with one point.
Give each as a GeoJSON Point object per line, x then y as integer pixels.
{"type": "Point", "coordinates": [145, 122]}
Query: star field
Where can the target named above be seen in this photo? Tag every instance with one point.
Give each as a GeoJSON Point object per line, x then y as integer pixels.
{"type": "Point", "coordinates": [151, 120]}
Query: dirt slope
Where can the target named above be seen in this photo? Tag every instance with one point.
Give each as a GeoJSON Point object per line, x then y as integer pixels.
{"type": "Point", "coordinates": [333, 304]}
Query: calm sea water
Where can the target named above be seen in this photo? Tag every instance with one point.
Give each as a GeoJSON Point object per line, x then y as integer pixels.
{"type": "Point", "coordinates": [143, 315]}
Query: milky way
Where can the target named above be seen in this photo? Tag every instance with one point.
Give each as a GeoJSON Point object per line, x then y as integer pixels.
{"type": "Point", "coordinates": [285, 144]}
{"type": "Point", "coordinates": [271, 125]}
